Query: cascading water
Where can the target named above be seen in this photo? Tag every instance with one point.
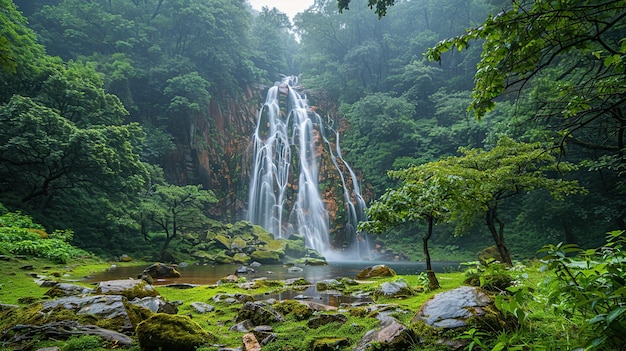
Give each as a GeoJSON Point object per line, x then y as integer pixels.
{"type": "Point", "coordinates": [285, 195]}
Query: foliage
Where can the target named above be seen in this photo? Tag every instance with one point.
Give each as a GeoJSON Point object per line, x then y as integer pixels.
{"type": "Point", "coordinates": [591, 284]}
{"type": "Point", "coordinates": [175, 210]}
{"type": "Point", "coordinates": [83, 342]}
{"type": "Point", "coordinates": [20, 236]}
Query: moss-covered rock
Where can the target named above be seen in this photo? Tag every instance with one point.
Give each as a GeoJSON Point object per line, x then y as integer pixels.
{"type": "Point", "coordinates": [241, 257]}
{"type": "Point", "coordinates": [171, 332]}
{"type": "Point", "coordinates": [222, 258]}
{"type": "Point", "coordinates": [266, 257]}
{"type": "Point", "coordinates": [380, 270]}
{"type": "Point", "coordinates": [261, 234]}
{"type": "Point", "coordinates": [489, 255]}
{"type": "Point", "coordinates": [129, 288]}
{"type": "Point", "coordinates": [238, 244]}
{"type": "Point", "coordinates": [277, 245]}
{"type": "Point", "coordinates": [294, 310]}
{"type": "Point", "coordinates": [223, 242]}
{"type": "Point", "coordinates": [329, 344]}
{"type": "Point", "coordinates": [295, 248]}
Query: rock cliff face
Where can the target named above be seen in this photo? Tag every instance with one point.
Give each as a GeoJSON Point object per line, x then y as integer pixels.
{"type": "Point", "coordinates": [214, 148]}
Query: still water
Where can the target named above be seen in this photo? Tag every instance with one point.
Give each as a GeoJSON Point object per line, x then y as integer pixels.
{"type": "Point", "coordinates": [207, 274]}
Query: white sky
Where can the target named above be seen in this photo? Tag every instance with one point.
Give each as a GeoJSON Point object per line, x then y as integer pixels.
{"type": "Point", "coordinates": [290, 7]}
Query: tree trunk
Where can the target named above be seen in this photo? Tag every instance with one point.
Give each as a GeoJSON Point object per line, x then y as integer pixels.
{"type": "Point", "coordinates": [433, 283]}
{"type": "Point", "coordinates": [498, 235]}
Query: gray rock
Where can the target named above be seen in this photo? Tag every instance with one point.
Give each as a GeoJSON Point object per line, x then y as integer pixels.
{"type": "Point", "coordinates": [130, 288]}
{"type": "Point", "coordinates": [65, 289]}
{"type": "Point", "coordinates": [451, 309]}
{"type": "Point", "coordinates": [202, 307]}
{"type": "Point", "coordinates": [391, 336]}
{"type": "Point", "coordinates": [398, 288]}
{"type": "Point", "coordinates": [242, 327]}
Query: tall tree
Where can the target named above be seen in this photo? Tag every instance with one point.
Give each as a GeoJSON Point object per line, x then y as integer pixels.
{"type": "Point", "coordinates": [175, 210]}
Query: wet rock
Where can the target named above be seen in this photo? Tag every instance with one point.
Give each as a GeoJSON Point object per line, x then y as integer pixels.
{"type": "Point", "coordinates": [256, 264]}
{"type": "Point", "coordinates": [451, 309]}
{"type": "Point", "coordinates": [380, 270]}
{"type": "Point", "coordinates": [243, 326]}
{"type": "Point", "coordinates": [324, 319]}
{"type": "Point", "coordinates": [294, 269]}
{"type": "Point", "coordinates": [163, 332]}
{"type": "Point", "coordinates": [315, 262]}
{"type": "Point", "coordinates": [398, 288]}
{"type": "Point", "coordinates": [125, 258]}
{"type": "Point", "coordinates": [65, 289]}
{"type": "Point", "coordinates": [202, 307]}
{"type": "Point", "coordinates": [244, 270]}
{"type": "Point", "coordinates": [228, 279]}
{"type": "Point", "coordinates": [391, 336]}
{"type": "Point", "coordinates": [258, 313]}
{"type": "Point", "coordinates": [155, 304]}
{"type": "Point", "coordinates": [160, 270]}
{"type": "Point", "coordinates": [250, 343]}
{"type": "Point", "coordinates": [130, 288]}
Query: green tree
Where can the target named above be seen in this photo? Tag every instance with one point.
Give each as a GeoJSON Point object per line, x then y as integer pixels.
{"type": "Point", "coordinates": [492, 176]}
{"type": "Point", "coordinates": [175, 210]}
{"type": "Point", "coordinates": [423, 195]}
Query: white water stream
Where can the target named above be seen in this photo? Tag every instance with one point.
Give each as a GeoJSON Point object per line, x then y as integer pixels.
{"type": "Point", "coordinates": [285, 195]}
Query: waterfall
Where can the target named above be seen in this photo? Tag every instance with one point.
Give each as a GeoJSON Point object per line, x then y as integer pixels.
{"type": "Point", "coordinates": [285, 196]}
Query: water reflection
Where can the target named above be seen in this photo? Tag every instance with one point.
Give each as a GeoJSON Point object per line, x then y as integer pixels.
{"type": "Point", "coordinates": [206, 274]}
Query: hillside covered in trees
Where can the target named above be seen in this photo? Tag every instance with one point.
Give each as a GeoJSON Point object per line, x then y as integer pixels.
{"type": "Point", "coordinates": [118, 115]}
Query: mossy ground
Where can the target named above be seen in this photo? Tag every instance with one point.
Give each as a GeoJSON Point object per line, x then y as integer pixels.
{"type": "Point", "coordinates": [541, 327]}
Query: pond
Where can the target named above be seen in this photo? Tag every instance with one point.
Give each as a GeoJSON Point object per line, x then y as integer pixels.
{"type": "Point", "coordinates": [208, 274]}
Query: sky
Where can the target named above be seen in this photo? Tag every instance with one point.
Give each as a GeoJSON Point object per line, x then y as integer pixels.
{"type": "Point", "coordinates": [290, 7]}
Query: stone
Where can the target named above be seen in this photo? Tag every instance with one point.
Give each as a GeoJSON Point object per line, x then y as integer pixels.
{"type": "Point", "coordinates": [315, 262]}
{"type": "Point", "coordinates": [380, 270]}
{"type": "Point", "coordinates": [258, 313]}
{"type": "Point", "coordinates": [130, 288]}
{"type": "Point", "coordinates": [391, 336]}
{"type": "Point", "coordinates": [294, 269]}
{"type": "Point", "coordinates": [328, 284]}
{"type": "Point", "coordinates": [65, 289]}
{"type": "Point", "coordinates": [238, 244]}
{"type": "Point", "coordinates": [125, 258]}
{"type": "Point", "coordinates": [171, 332]}
{"type": "Point", "coordinates": [452, 308]}
{"type": "Point", "coordinates": [324, 319]}
{"type": "Point", "coordinates": [202, 307]}
{"type": "Point", "coordinates": [250, 343]}
{"type": "Point", "coordinates": [244, 326]}
{"type": "Point", "coordinates": [398, 288]}
{"type": "Point", "coordinates": [160, 270]}
{"type": "Point", "coordinates": [244, 270]}
{"type": "Point", "coordinates": [266, 257]}
{"type": "Point", "coordinates": [489, 255]}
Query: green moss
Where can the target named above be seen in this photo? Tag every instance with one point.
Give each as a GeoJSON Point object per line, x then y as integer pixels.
{"type": "Point", "coordinates": [266, 257]}
{"type": "Point", "coordinates": [294, 310]}
{"type": "Point", "coordinates": [171, 332]}
{"type": "Point", "coordinates": [223, 241]}
{"type": "Point", "coordinates": [241, 257]}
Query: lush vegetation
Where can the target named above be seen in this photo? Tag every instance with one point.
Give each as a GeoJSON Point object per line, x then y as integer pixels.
{"type": "Point", "coordinates": [105, 104]}
{"type": "Point", "coordinates": [570, 298]}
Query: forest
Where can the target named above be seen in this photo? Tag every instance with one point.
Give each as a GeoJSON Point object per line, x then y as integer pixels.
{"type": "Point", "coordinates": [473, 126]}
{"type": "Point", "coordinates": [104, 102]}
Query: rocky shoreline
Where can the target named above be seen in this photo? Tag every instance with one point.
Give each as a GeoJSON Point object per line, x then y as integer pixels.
{"type": "Point", "coordinates": [132, 313]}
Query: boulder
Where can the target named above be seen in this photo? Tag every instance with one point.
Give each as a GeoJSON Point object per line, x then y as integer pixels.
{"type": "Point", "coordinates": [258, 313]}
{"type": "Point", "coordinates": [452, 308]}
{"type": "Point", "coordinates": [266, 257]}
{"type": "Point", "coordinates": [399, 288]}
{"type": "Point", "coordinates": [250, 343]}
{"type": "Point", "coordinates": [202, 307]}
{"type": "Point", "coordinates": [160, 270]}
{"type": "Point", "coordinates": [171, 332]}
{"type": "Point", "coordinates": [130, 288]}
{"type": "Point", "coordinates": [380, 270]}
{"type": "Point", "coordinates": [391, 336]}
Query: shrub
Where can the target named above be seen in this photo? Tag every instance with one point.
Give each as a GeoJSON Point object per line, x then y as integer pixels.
{"type": "Point", "coordinates": [591, 284]}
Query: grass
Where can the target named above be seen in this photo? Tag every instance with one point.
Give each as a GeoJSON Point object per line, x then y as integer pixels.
{"type": "Point", "coordinates": [541, 330]}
